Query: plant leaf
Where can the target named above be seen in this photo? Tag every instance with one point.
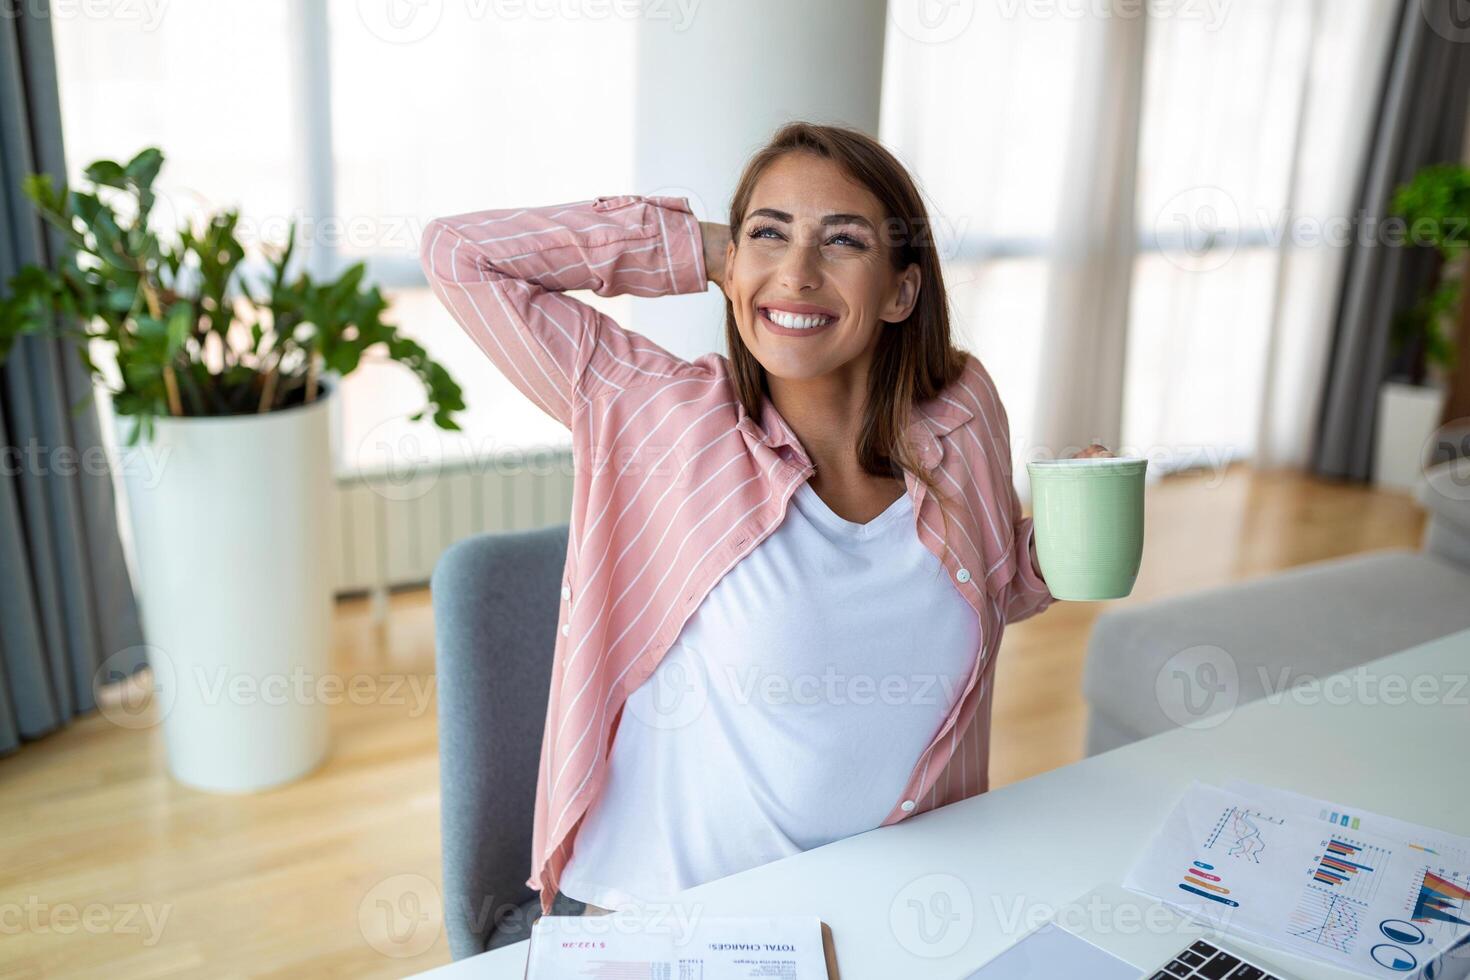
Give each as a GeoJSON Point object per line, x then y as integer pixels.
{"type": "Point", "coordinates": [108, 173]}
{"type": "Point", "coordinates": [143, 168]}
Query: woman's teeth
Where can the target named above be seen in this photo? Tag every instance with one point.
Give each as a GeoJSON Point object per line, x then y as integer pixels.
{"type": "Point", "coordinates": [794, 321]}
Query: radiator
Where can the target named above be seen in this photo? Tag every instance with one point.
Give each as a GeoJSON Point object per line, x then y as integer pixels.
{"type": "Point", "coordinates": [390, 530]}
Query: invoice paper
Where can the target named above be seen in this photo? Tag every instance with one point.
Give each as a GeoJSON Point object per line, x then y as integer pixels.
{"type": "Point", "coordinates": [632, 945]}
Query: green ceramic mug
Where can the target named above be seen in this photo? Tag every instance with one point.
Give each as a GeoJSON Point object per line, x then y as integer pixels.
{"type": "Point", "coordinates": [1088, 515]}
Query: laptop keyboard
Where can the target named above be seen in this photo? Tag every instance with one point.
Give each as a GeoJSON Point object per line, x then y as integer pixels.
{"type": "Point", "coordinates": [1207, 961]}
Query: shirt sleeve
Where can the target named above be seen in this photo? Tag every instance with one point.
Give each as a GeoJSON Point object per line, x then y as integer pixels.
{"type": "Point", "coordinates": [503, 275]}
{"type": "Point", "coordinates": [1026, 593]}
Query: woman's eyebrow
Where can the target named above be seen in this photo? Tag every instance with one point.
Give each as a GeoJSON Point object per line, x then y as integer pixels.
{"type": "Point", "coordinates": [831, 219]}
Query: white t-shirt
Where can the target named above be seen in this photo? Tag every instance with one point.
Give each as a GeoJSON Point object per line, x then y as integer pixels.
{"type": "Point", "coordinates": [789, 712]}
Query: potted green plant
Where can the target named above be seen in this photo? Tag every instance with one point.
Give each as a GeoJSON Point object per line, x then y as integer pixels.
{"type": "Point", "coordinates": [1435, 204]}
{"type": "Point", "coordinates": [221, 373]}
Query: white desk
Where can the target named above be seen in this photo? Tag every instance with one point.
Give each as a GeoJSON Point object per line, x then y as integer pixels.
{"type": "Point", "coordinates": [1042, 842]}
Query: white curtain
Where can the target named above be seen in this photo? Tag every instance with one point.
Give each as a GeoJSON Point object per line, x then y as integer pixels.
{"type": "Point", "coordinates": [1145, 210]}
{"type": "Point", "coordinates": [1258, 131]}
{"type": "Point", "coordinates": [1080, 382]}
{"type": "Point", "coordinates": [981, 114]}
{"type": "Point", "coordinates": [1331, 151]}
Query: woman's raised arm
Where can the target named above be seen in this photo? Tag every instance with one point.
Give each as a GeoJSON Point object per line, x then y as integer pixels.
{"type": "Point", "coordinates": [502, 275]}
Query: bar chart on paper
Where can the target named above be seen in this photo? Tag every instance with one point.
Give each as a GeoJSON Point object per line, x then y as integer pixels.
{"type": "Point", "coordinates": [1348, 867]}
{"type": "Point", "coordinates": [1357, 889]}
{"type": "Point", "coordinates": [1442, 898]}
{"type": "Point", "coordinates": [1330, 909]}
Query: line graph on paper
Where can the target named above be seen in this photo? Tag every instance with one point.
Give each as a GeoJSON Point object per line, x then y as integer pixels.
{"type": "Point", "coordinates": [1239, 833]}
{"type": "Point", "coordinates": [1327, 919]}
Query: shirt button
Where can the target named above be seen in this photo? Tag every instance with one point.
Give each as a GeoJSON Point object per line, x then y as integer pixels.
{"type": "Point", "coordinates": [907, 806]}
{"type": "Point", "coordinates": [566, 628]}
{"type": "Point", "coordinates": [963, 575]}
{"type": "Point", "coordinates": [566, 592]}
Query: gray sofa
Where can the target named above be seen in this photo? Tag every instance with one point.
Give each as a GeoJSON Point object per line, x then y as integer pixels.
{"type": "Point", "coordinates": [1188, 660]}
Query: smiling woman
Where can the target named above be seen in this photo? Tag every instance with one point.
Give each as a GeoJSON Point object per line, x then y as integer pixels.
{"type": "Point", "coordinates": [826, 514]}
{"type": "Point", "coordinates": [823, 252]}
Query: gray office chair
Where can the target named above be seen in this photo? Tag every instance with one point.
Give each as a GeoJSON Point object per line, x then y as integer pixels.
{"type": "Point", "coordinates": [495, 611]}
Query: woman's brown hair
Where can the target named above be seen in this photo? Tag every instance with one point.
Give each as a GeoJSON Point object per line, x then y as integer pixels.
{"type": "Point", "coordinates": [915, 358]}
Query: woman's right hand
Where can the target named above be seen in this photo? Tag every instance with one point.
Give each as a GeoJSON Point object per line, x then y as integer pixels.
{"type": "Point", "coordinates": [716, 237]}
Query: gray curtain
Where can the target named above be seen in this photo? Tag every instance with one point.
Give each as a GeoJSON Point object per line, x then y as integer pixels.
{"type": "Point", "coordinates": [67, 610]}
{"type": "Point", "coordinates": [1420, 121]}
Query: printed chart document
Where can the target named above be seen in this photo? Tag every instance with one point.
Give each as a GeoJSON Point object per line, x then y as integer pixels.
{"type": "Point", "coordinates": [1371, 893]}
{"type": "Point", "coordinates": [629, 945]}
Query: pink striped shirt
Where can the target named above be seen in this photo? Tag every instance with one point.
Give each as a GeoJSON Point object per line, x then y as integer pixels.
{"type": "Point", "coordinates": [675, 482]}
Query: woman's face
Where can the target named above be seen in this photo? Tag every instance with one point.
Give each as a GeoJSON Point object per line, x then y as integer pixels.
{"type": "Point", "coordinates": [809, 273]}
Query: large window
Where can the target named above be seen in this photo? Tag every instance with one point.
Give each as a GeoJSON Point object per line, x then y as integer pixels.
{"type": "Point", "coordinates": [982, 119]}
{"type": "Point", "coordinates": [1252, 133]}
{"type": "Point", "coordinates": [1251, 122]}
{"type": "Point", "coordinates": [364, 120]}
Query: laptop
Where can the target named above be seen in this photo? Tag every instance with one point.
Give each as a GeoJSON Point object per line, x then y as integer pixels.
{"type": "Point", "coordinates": [1111, 933]}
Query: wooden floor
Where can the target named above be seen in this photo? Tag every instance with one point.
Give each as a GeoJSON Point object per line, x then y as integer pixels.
{"type": "Point", "coordinates": [107, 867]}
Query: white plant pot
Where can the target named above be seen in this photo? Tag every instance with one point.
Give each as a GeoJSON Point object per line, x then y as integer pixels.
{"type": "Point", "coordinates": [230, 519]}
{"type": "Point", "coordinates": [1408, 415]}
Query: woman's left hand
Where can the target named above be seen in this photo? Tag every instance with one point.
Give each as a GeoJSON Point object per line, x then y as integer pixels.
{"type": "Point", "coordinates": [1096, 449]}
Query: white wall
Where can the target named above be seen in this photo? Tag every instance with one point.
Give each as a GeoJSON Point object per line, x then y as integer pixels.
{"type": "Point", "coordinates": [712, 90]}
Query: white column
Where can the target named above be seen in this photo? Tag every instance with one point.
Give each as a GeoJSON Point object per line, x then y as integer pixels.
{"type": "Point", "coordinates": [715, 81]}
